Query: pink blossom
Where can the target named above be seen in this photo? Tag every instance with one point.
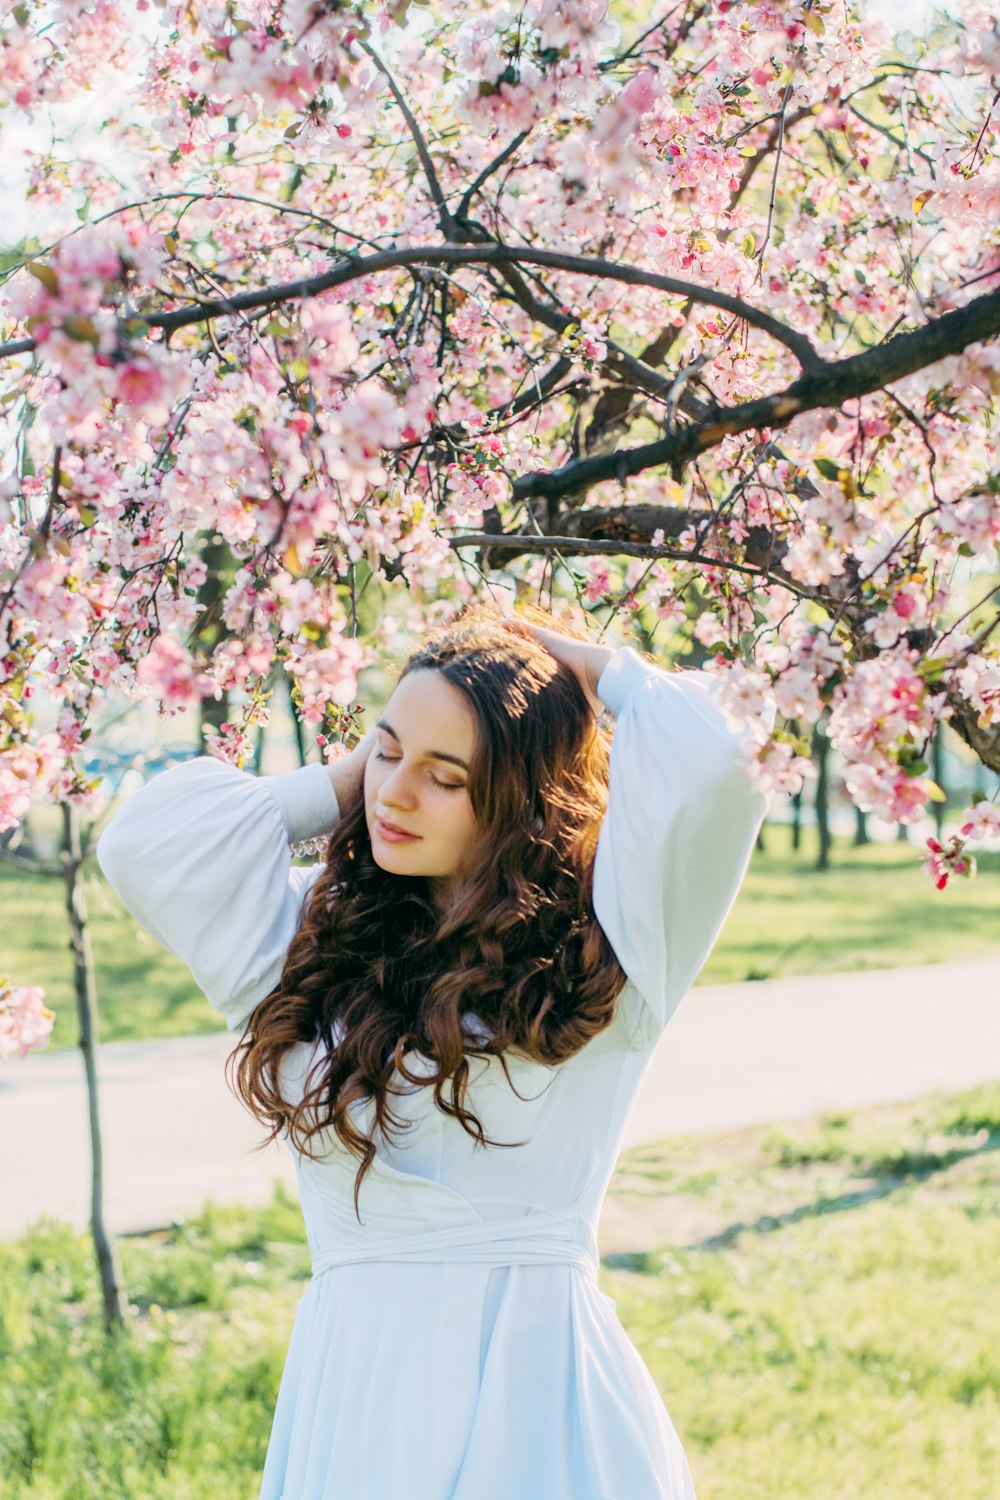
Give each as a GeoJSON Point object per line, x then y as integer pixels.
{"type": "Point", "coordinates": [775, 768]}
{"type": "Point", "coordinates": [25, 1020]}
{"type": "Point", "coordinates": [887, 791]}
{"type": "Point", "coordinates": [945, 860]}
{"type": "Point", "coordinates": [598, 583]}
{"type": "Point", "coordinates": [168, 673]}
{"type": "Point", "coordinates": [148, 384]}
{"type": "Point", "coordinates": [978, 679]}
{"type": "Point", "coordinates": [981, 821]}
{"type": "Point", "coordinates": [328, 675]}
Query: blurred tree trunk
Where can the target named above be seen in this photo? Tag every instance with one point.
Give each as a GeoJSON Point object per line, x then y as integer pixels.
{"type": "Point", "coordinates": [937, 772]}
{"type": "Point", "coordinates": [861, 835]}
{"type": "Point", "coordinates": [298, 726]}
{"type": "Point", "coordinates": [210, 629]}
{"type": "Point", "coordinates": [797, 820]}
{"type": "Point", "coordinates": [86, 1003]}
{"type": "Point", "coordinates": [821, 755]}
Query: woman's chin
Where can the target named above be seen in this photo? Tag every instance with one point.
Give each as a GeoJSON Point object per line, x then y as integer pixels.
{"type": "Point", "coordinates": [394, 861]}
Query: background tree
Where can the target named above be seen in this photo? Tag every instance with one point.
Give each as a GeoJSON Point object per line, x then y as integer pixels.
{"type": "Point", "coordinates": [29, 1022]}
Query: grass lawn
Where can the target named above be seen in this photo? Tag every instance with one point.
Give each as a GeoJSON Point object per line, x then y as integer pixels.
{"type": "Point", "coordinates": [817, 1305]}
{"type": "Point", "coordinates": [874, 909]}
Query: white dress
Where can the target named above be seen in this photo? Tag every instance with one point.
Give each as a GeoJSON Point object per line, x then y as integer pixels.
{"type": "Point", "coordinates": [455, 1344]}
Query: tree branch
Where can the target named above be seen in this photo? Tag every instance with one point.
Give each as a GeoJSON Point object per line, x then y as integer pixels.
{"type": "Point", "coordinates": [829, 386]}
{"type": "Point", "coordinates": [572, 545]}
{"type": "Point", "coordinates": [984, 740]}
{"type": "Point", "coordinates": [29, 866]}
{"type": "Point", "coordinates": [355, 267]}
{"type": "Point", "coordinates": [465, 201]}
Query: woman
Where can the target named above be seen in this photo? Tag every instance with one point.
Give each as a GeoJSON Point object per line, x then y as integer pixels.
{"type": "Point", "coordinates": [448, 1021]}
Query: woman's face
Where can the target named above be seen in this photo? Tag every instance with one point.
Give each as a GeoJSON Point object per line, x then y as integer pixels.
{"type": "Point", "coordinates": [417, 804]}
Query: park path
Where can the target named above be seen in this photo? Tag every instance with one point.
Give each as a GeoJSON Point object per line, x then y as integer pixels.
{"type": "Point", "coordinates": [734, 1055]}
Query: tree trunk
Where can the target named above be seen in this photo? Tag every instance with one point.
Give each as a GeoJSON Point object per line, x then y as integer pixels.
{"type": "Point", "coordinates": [937, 772]}
{"type": "Point", "coordinates": [861, 835]}
{"type": "Point", "coordinates": [209, 629]}
{"type": "Point", "coordinates": [86, 1003]}
{"type": "Point", "coordinates": [821, 755]}
{"type": "Point", "coordinates": [298, 726]}
{"type": "Point", "coordinates": [797, 821]}
{"type": "Point", "coordinates": [212, 714]}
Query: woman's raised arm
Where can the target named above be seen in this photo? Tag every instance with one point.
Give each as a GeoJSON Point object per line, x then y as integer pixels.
{"type": "Point", "coordinates": [681, 823]}
{"type": "Point", "coordinates": [201, 857]}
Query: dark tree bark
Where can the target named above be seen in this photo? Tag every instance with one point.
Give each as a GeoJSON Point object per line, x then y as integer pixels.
{"type": "Point", "coordinates": [937, 772]}
{"type": "Point", "coordinates": [821, 755]}
{"type": "Point", "coordinates": [797, 821]}
{"type": "Point", "coordinates": [209, 629]}
{"type": "Point", "coordinates": [861, 835]}
{"type": "Point", "coordinates": [298, 727]}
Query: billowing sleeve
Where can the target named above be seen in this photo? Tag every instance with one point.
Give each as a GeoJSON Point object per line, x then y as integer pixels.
{"type": "Point", "coordinates": [681, 823]}
{"type": "Point", "coordinates": [201, 857]}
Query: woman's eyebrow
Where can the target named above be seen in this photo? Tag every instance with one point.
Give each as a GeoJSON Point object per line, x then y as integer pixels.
{"type": "Point", "coordinates": [456, 760]}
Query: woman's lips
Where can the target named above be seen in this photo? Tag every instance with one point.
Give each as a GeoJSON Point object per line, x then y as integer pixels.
{"type": "Point", "coordinates": [393, 835]}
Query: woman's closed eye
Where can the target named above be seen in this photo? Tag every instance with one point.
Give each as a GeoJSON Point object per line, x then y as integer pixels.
{"type": "Point", "coordinates": [447, 786]}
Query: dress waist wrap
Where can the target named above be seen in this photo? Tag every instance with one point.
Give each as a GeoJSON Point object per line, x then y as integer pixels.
{"type": "Point", "coordinates": [538, 1239]}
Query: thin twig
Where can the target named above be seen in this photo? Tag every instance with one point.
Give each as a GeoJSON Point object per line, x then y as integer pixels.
{"type": "Point", "coordinates": [462, 210]}
{"type": "Point", "coordinates": [445, 220]}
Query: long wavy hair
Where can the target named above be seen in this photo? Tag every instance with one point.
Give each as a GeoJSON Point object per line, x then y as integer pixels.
{"type": "Point", "coordinates": [515, 943]}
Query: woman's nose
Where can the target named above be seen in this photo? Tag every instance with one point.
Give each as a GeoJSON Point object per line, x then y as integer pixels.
{"type": "Point", "coordinates": [397, 788]}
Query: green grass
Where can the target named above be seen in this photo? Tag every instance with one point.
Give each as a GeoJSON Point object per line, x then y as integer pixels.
{"type": "Point", "coordinates": [817, 1306]}
{"type": "Point", "coordinates": [874, 909]}
{"type": "Point", "coordinates": [829, 1326]}
{"type": "Point", "coordinates": [142, 990]}
{"type": "Point", "coordinates": [179, 1408]}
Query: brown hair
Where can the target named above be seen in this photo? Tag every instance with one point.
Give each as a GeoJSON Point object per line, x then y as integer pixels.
{"type": "Point", "coordinates": [516, 942]}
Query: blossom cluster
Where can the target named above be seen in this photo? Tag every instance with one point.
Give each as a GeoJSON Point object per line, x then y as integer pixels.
{"type": "Point", "coordinates": [246, 441]}
{"type": "Point", "coordinates": [25, 1019]}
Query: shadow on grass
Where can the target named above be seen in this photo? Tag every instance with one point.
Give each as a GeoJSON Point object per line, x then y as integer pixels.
{"type": "Point", "coordinates": [891, 1172]}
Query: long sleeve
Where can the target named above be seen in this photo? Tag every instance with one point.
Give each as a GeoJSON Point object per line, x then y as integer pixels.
{"type": "Point", "coordinates": [201, 857]}
{"type": "Point", "coordinates": [680, 826]}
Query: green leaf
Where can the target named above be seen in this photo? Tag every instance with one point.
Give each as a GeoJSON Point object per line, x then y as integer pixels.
{"type": "Point", "coordinates": [932, 667]}
{"type": "Point", "coordinates": [45, 275]}
{"type": "Point", "coordinates": [83, 330]}
{"type": "Point", "coordinates": [828, 469]}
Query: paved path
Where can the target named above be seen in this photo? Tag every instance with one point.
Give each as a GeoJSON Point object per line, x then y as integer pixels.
{"type": "Point", "coordinates": [733, 1055]}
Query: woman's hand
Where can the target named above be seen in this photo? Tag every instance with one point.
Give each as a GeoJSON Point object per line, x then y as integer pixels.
{"type": "Point", "coordinates": [347, 773]}
{"type": "Point", "coordinates": [584, 660]}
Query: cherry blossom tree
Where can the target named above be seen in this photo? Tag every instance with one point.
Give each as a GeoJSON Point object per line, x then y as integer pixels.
{"type": "Point", "coordinates": [684, 317]}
